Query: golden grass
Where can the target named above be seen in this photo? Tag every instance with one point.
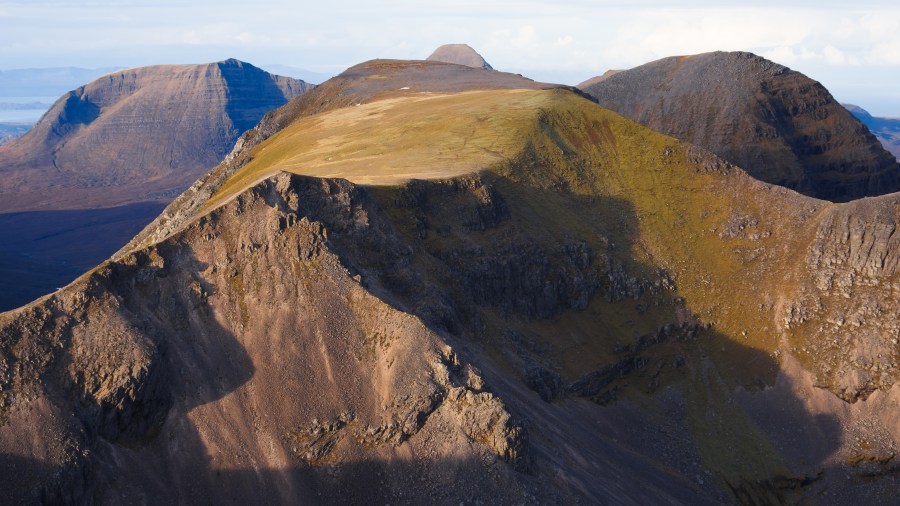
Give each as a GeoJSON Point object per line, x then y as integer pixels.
{"type": "Point", "coordinates": [420, 136]}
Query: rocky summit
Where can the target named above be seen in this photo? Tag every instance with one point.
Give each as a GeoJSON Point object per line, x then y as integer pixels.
{"type": "Point", "coordinates": [428, 283]}
{"type": "Point", "coordinates": [777, 124]}
{"type": "Point", "coordinates": [460, 54]}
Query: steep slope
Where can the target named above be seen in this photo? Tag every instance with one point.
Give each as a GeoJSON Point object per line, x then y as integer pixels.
{"type": "Point", "coordinates": [460, 54]}
{"type": "Point", "coordinates": [136, 135]}
{"type": "Point", "coordinates": [777, 124]}
{"type": "Point", "coordinates": [887, 130]}
{"type": "Point", "coordinates": [576, 309]}
{"type": "Point", "coordinates": [108, 155]}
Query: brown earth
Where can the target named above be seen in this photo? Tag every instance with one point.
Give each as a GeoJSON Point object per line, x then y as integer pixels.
{"type": "Point", "coordinates": [779, 125]}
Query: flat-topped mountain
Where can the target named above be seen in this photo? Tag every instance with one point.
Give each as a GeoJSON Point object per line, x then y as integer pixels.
{"type": "Point", "coordinates": [460, 54]}
{"type": "Point", "coordinates": [105, 159]}
{"type": "Point", "coordinates": [777, 124]}
{"type": "Point", "coordinates": [416, 276]}
{"type": "Point", "coordinates": [136, 135]}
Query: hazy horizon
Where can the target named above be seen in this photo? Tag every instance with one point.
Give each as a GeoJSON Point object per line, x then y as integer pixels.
{"type": "Point", "coordinates": [853, 51]}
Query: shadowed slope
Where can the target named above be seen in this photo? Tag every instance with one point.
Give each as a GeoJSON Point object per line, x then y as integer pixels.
{"type": "Point", "coordinates": [777, 124]}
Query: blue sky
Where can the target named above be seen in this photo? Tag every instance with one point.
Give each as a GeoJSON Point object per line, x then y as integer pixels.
{"type": "Point", "coordinates": [853, 49]}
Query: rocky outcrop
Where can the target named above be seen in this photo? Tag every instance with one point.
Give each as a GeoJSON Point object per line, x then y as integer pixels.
{"type": "Point", "coordinates": [460, 54]}
{"type": "Point", "coordinates": [853, 262]}
{"type": "Point", "coordinates": [775, 123]}
{"type": "Point", "coordinates": [180, 347]}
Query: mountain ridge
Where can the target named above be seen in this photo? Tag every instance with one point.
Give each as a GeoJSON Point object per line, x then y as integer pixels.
{"type": "Point", "coordinates": [776, 123]}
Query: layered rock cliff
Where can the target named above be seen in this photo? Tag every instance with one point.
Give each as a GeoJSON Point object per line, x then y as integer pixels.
{"type": "Point", "coordinates": [137, 135]}
{"type": "Point", "coordinates": [107, 156]}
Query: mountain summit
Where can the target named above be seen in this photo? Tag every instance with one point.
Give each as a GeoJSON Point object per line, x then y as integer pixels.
{"type": "Point", "coordinates": [136, 135]}
{"type": "Point", "coordinates": [460, 54]}
{"type": "Point", "coordinates": [778, 124]}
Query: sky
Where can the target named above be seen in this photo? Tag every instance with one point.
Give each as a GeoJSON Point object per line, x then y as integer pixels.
{"type": "Point", "coordinates": [853, 48]}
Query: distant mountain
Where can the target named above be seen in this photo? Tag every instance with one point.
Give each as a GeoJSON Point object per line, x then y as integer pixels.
{"type": "Point", "coordinates": [10, 131]}
{"type": "Point", "coordinates": [136, 135]}
{"type": "Point", "coordinates": [460, 54]}
{"type": "Point", "coordinates": [126, 143]}
{"type": "Point", "coordinates": [779, 125]}
{"type": "Point", "coordinates": [887, 130]}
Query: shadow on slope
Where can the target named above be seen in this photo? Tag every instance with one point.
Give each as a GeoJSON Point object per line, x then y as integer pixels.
{"type": "Point", "coordinates": [518, 278]}
{"type": "Point", "coordinates": [43, 250]}
{"type": "Point", "coordinates": [529, 279]}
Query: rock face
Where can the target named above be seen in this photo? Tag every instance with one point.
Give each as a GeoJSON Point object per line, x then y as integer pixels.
{"type": "Point", "coordinates": [886, 129]}
{"type": "Point", "coordinates": [460, 54]}
{"type": "Point", "coordinates": [605, 305]}
{"type": "Point", "coordinates": [777, 124]}
{"type": "Point", "coordinates": [136, 135]}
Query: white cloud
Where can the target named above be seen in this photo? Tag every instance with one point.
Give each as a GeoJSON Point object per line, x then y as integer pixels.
{"type": "Point", "coordinates": [526, 37]}
{"type": "Point", "coordinates": [564, 41]}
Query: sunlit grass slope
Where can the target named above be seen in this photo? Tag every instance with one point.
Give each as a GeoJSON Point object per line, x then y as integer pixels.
{"type": "Point", "coordinates": [421, 136]}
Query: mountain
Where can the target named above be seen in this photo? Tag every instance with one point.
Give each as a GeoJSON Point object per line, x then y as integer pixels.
{"type": "Point", "coordinates": [105, 159]}
{"type": "Point", "coordinates": [562, 307]}
{"type": "Point", "coordinates": [460, 54]}
{"type": "Point", "coordinates": [887, 130]}
{"type": "Point", "coordinates": [136, 135]}
{"type": "Point", "coordinates": [777, 124]}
